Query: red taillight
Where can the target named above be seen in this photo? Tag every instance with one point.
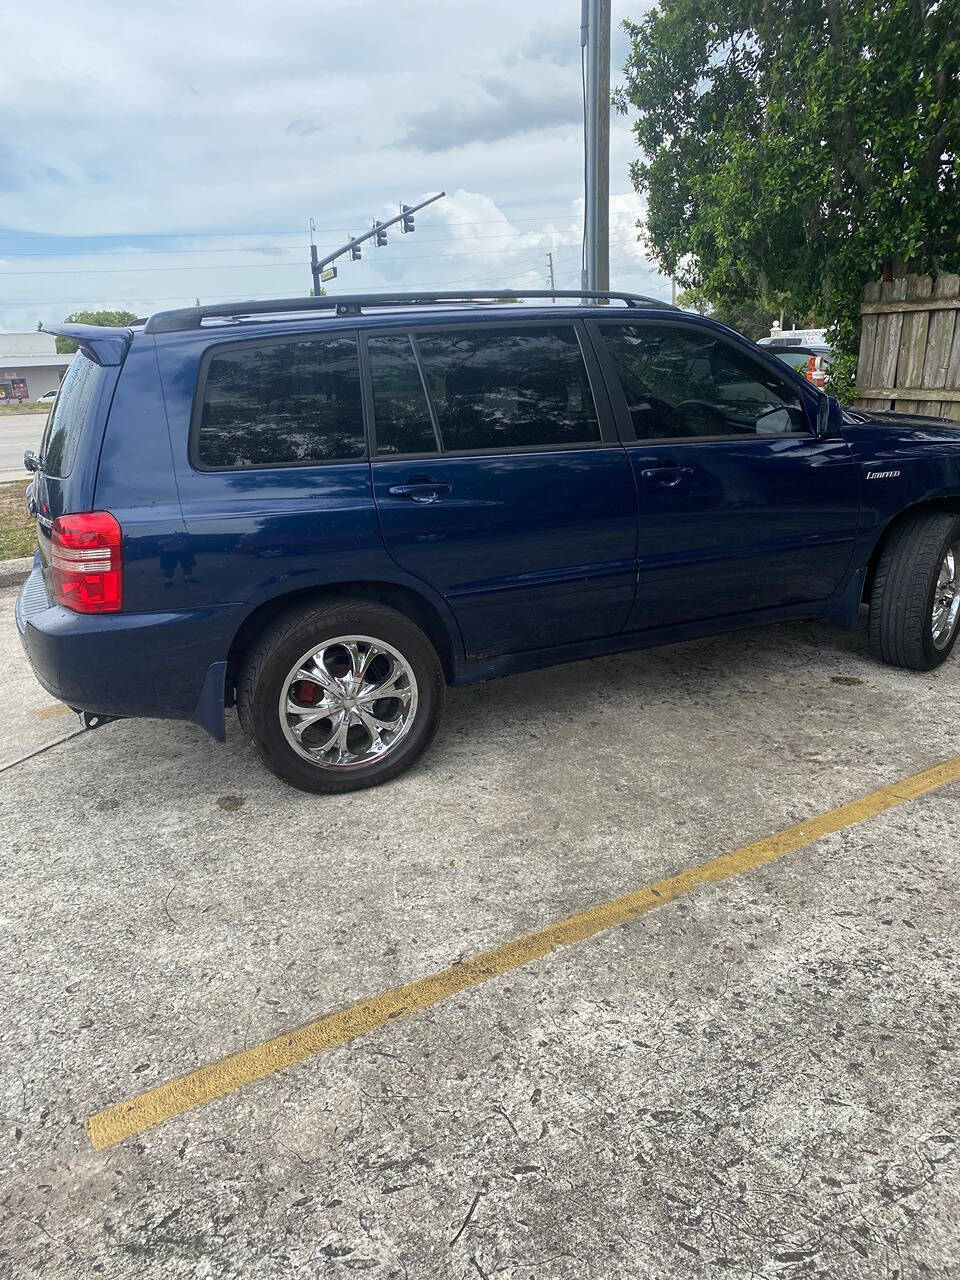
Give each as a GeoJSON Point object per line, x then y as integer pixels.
{"type": "Point", "coordinates": [87, 562]}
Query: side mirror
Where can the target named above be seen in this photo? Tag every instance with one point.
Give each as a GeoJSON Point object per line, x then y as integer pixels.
{"type": "Point", "coordinates": [30, 461]}
{"type": "Point", "coordinates": [829, 417]}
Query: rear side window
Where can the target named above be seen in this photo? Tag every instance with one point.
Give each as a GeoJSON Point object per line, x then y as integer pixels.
{"type": "Point", "coordinates": [78, 394]}
{"type": "Point", "coordinates": [400, 410]}
{"type": "Point", "coordinates": [509, 388]}
{"type": "Point", "coordinates": [283, 403]}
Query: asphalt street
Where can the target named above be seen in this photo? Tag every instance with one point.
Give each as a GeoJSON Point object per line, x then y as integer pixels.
{"type": "Point", "coordinates": [756, 1079]}
{"type": "Point", "coordinates": [18, 431]}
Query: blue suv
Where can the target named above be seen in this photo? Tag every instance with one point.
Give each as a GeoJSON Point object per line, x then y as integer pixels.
{"type": "Point", "coordinates": [325, 510]}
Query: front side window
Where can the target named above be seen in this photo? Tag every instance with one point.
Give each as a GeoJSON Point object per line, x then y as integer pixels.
{"type": "Point", "coordinates": [281, 403]}
{"type": "Point", "coordinates": [683, 384]}
{"type": "Point", "coordinates": [509, 388]}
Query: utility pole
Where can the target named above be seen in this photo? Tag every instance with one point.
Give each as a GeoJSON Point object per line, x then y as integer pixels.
{"type": "Point", "coordinates": [595, 41]}
{"type": "Point", "coordinates": [553, 283]}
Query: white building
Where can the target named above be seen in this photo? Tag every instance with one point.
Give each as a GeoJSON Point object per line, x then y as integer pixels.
{"type": "Point", "coordinates": [29, 366]}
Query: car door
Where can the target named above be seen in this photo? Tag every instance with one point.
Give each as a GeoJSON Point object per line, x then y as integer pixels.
{"type": "Point", "coordinates": [741, 507]}
{"type": "Point", "coordinates": [500, 481]}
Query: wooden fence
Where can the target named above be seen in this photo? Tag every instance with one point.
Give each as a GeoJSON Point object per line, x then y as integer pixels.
{"type": "Point", "coordinates": [910, 346]}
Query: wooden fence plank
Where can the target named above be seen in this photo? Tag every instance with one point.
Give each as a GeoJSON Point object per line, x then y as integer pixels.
{"type": "Point", "coordinates": [940, 336]}
{"type": "Point", "coordinates": [913, 340]}
{"type": "Point", "coordinates": [935, 304]}
{"type": "Point", "coordinates": [926, 395]}
{"type": "Point", "coordinates": [868, 338]}
{"type": "Point", "coordinates": [885, 367]}
{"type": "Point", "coordinates": [953, 374]}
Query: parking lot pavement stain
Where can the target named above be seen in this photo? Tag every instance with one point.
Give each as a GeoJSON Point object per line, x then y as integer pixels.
{"type": "Point", "coordinates": [124, 1120]}
{"type": "Point", "coordinates": [52, 713]}
{"type": "Point", "coordinates": [230, 803]}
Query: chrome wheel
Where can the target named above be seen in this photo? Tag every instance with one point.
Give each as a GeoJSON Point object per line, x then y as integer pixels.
{"type": "Point", "coordinates": [348, 702]}
{"type": "Point", "coordinates": [946, 598]}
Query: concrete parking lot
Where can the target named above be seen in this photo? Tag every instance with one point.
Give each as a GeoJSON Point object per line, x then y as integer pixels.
{"type": "Point", "coordinates": [756, 1079]}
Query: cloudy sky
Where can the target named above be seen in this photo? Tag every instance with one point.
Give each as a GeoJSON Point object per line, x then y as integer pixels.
{"type": "Point", "coordinates": [154, 154]}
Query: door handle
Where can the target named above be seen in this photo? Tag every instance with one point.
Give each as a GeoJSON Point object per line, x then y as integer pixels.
{"type": "Point", "coordinates": [419, 490]}
{"type": "Point", "coordinates": [668, 476]}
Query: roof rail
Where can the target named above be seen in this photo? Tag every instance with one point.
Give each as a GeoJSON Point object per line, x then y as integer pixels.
{"type": "Point", "coordinates": [353, 304]}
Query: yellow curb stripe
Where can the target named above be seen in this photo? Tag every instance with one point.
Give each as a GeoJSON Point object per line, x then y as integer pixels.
{"type": "Point", "coordinates": [114, 1124]}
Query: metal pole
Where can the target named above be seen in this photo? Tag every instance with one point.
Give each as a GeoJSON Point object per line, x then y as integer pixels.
{"type": "Point", "coordinates": [588, 278]}
{"type": "Point", "coordinates": [603, 144]}
{"type": "Point", "coordinates": [595, 38]}
{"type": "Point", "coordinates": [553, 283]}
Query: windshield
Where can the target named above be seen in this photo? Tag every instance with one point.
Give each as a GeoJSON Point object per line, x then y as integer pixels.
{"type": "Point", "coordinates": [78, 392]}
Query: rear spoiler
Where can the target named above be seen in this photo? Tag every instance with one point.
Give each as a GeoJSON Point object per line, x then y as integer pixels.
{"type": "Point", "coordinates": [100, 343]}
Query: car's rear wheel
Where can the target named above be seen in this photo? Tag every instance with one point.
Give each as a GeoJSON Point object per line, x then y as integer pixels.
{"type": "Point", "coordinates": [340, 696]}
{"type": "Point", "coordinates": [915, 602]}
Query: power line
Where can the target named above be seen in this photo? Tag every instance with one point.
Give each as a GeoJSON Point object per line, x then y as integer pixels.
{"type": "Point", "coordinates": [203, 235]}
{"type": "Point", "coordinates": [297, 248]}
{"type": "Point", "coordinates": [268, 266]}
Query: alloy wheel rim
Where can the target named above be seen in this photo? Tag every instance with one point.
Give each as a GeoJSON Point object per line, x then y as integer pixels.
{"type": "Point", "coordinates": [946, 598]}
{"type": "Point", "coordinates": [348, 702]}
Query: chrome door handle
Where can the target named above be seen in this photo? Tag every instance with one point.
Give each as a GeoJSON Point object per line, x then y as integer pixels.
{"type": "Point", "coordinates": [419, 490]}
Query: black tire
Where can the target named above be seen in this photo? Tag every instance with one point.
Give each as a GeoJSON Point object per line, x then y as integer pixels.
{"type": "Point", "coordinates": [277, 651]}
{"type": "Point", "coordinates": [904, 589]}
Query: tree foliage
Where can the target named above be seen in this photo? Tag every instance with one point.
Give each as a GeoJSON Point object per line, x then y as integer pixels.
{"type": "Point", "coordinates": [749, 316]}
{"type": "Point", "coordinates": [112, 319]}
{"type": "Point", "coordinates": [790, 150]}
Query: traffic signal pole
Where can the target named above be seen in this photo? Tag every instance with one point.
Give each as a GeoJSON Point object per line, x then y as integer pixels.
{"type": "Point", "coordinates": [595, 40]}
{"type": "Point", "coordinates": [378, 231]}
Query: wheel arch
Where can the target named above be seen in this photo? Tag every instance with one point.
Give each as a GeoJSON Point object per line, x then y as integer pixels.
{"type": "Point", "coordinates": [946, 502]}
{"type": "Point", "coordinates": [441, 630]}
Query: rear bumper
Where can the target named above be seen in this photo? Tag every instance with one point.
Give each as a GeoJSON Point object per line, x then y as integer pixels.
{"type": "Point", "coordinates": [161, 665]}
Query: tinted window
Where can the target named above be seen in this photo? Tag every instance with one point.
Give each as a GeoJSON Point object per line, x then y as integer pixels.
{"type": "Point", "coordinates": [282, 402]}
{"type": "Point", "coordinates": [509, 388]}
{"type": "Point", "coordinates": [399, 404]}
{"type": "Point", "coordinates": [683, 383]}
{"type": "Point", "coordinates": [65, 424]}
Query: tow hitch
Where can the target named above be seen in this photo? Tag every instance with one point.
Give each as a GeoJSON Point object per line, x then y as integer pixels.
{"type": "Point", "coordinates": [90, 719]}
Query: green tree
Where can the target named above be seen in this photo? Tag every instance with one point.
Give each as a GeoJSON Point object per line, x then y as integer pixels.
{"type": "Point", "coordinates": [749, 317]}
{"type": "Point", "coordinates": [791, 151]}
{"type": "Point", "coordinates": [112, 319]}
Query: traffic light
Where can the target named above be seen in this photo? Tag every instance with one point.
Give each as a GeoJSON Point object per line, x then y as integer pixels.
{"type": "Point", "coordinates": [381, 236]}
{"type": "Point", "coordinates": [407, 224]}
{"type": "Point", "coordinates": [355, 252]}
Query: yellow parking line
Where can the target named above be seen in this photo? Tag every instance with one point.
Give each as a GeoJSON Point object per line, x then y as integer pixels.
{"type": "Point", "coordinates": [115, 1123]}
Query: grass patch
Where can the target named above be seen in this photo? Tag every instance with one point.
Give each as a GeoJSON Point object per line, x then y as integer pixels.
{"type": "Point", "coordinates": [18, 530]}
{"type": "Point", "coordinates": [28, 406]}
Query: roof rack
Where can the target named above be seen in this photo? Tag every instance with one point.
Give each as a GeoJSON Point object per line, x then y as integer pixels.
{"type": "Point", "coordinates": [353, 304]}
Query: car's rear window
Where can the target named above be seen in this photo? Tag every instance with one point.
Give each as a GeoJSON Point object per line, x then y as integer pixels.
{"type": "Point", "coordinates": [281, 403]}
{"type": "Point", "coordinates": [798, 360]}
{"type": "Point", "coordinates": [78, 394]}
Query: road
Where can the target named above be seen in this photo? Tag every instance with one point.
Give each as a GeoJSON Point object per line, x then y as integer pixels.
{"type": "Point", "coordinates": [18, 431]}
{"type": "Point", "coordinates": [749, 1073]}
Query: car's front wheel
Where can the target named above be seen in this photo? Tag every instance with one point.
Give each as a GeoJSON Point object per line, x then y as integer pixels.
{"type": "Point", "coordinates": [341, 695]}
{"type": "Point", "coordinates": [915, 602]}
